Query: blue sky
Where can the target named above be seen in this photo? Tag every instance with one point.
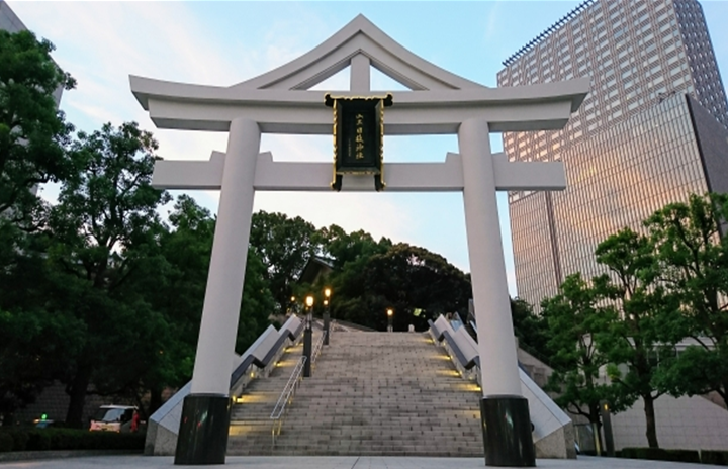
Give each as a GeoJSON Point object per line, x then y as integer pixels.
{"type": "Point", "coordinates": [223, 43]}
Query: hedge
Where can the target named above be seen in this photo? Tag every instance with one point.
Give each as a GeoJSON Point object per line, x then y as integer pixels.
{"type": "Point", "coordinates": [67, 439]}
{"type": "Point", "coordinates": [718, 458]}
{"type": "Point", "coordinates": [6, 443]}
{"type": "Point", "coordinates": [657, 454]}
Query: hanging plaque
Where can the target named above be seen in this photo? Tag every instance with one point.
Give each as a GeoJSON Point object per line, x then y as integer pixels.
{"type": "Point", "coordinates": [358, 137]}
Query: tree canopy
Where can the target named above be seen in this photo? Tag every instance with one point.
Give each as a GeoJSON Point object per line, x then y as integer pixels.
{"type": "Point", "coordinates": [33, 132]}
{"type": "Point", "coordinates": [576, 318]}
{"type": "Point", "coordinates": [692, 255]}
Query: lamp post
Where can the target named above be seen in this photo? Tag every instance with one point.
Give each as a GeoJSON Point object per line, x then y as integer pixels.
{"type": "Point", "coordinates": [307, 338]}
{"type": "Point", "coordinates": [390, 312]}
{"type": "Point", "coordinates": [327, 315]}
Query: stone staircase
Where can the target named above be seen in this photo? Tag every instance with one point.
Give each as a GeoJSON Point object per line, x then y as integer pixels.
{"type": "Point", "coordinates": [369, 394]}
{"type": "Point", "coordinates": [250, 420]}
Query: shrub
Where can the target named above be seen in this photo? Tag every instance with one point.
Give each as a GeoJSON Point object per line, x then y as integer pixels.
{"type": "Point", "coordinates": [64, 439]}
{"type": "Point", "coordinates": [657, 454]}
{"type": "Point", "coordinates": [20, 439]}
{"type": "Point", "coordinates": [68, 439]}
{"type": "Point", "coordinates": [6, 442]}
{"type": "Point", "coordinates": [39, 440]}
{"type": "Point", "coordinates": [718, 458]}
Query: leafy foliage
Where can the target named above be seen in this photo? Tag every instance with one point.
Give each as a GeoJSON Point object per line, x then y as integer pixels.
{"type": "Point", "coordinates": [576, 318]}
{"type": "Point", "coordinates": [414, 282]}
{"type": "Point", "coordinates": [693, 260]}
{"type": "Point", "coordinates": [634, 338]}
{"type": "Point", "coordinates": [530, 329]}
{"type": "Point", "coordinates": [104, 224]}
{"type": "Point", "coordinates": [33, 133]}
{"type": "Point", "coordinates": [283, 245]}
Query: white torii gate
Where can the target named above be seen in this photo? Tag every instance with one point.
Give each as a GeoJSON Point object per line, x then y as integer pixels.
{"type": "Point", "coordinates": [279, 102]}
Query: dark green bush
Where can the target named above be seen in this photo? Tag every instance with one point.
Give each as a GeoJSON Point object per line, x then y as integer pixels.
{"type": "Point", "coordinates": [6, 442]}
{"type": "Point", "coordinates": [657, 454]}
{"type": "Point", "coordinates": [684, 455]}
{"type": "Point", "coordinates": [718, 458]}
{"type": "Point", "coordinates": [39, 440]}
{"type": "Point", "coordinates": [68, 439]}
{"type": "Point", "coordinates": [64, 439]}
{"type": "Point", "coordinates": [20, 439]}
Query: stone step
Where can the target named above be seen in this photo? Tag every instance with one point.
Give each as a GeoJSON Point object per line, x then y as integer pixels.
{"type": "Point", "coordinates": [369, 394]}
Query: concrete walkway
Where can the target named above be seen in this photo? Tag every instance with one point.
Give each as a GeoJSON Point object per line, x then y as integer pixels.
{"type": "Point", "coordinates": [342, 462]}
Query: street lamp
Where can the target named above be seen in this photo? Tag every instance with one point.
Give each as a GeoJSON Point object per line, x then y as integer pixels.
{"type": "Point", "coordinates": [307, 338]}
{"type": "Point", "coordinates": [390, 313]}
{"type": "Point", "coordinates": [327, 315]}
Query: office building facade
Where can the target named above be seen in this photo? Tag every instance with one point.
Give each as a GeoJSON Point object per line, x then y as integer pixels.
{"type": "Point", "coordinates": [651, 131]}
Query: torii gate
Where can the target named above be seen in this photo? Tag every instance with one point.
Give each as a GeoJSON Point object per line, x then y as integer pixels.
{"type": "Point", "coordinates": [438, 102]}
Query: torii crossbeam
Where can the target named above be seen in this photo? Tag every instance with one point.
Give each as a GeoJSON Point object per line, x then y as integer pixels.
{"type": "Point", "coordinates": [279, 102]}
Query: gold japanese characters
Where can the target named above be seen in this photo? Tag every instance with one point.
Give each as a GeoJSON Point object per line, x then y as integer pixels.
{"type": "Point", "coordinates": [358, 137]}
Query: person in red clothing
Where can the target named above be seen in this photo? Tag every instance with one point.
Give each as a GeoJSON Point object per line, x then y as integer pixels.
{"type": "Point", "coordinates": [135, 421]}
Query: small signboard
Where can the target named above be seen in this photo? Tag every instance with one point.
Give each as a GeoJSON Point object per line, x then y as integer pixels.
{"type": "Point", "coordinates": [358, 137]}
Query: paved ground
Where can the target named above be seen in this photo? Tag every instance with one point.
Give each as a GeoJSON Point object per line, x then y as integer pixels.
{"type": "Point", "coordinates": [343, 462]}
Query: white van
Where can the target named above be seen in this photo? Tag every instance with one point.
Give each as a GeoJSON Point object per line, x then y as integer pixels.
{"type": "Point", "coordinates": [112, 418]}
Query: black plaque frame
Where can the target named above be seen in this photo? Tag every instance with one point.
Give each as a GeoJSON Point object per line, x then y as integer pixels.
{"type": "Point", "coordinates": [358, 137]}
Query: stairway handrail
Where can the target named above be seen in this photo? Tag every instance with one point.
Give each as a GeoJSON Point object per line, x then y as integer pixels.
{"type": "Point", "coordinates": [289, 389]}
{"type": "Point", "coordinates": [317, 348]}
{"type": "Point", "coordinates": [285, 397]}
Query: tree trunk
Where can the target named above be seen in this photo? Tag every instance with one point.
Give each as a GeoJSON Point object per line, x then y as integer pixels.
{"type": "Point", "coordinates": [155, 401]}
{"type": "Point", "coordinates": [650, 420]}
{"type": "Point", "coordinates": [596, 424]}
{"type": "Point", "coordinates": [77, 391]}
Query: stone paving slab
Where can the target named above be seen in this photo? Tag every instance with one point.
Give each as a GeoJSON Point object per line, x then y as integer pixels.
{"type": "Point", "coordinates": [343, 462]}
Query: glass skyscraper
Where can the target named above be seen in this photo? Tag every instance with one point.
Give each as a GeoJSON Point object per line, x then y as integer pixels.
{"type": "Point", "coordinates": [651, 131]}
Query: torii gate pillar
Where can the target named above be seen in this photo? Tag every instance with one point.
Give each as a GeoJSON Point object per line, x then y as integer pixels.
{"type": "Point", "coordinates": [507, 442]}
{"type": "Point", "coordinates": [205, 421]}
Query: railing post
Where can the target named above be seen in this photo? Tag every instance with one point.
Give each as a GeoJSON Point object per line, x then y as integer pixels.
{"type": "Point", "coordinates": [327, 326]}
{"type": "Point", "coordinates": [307, 347]}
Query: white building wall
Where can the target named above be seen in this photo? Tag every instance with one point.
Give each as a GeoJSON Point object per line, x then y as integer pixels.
{"type": "Point", "coordinates": [682, 423]}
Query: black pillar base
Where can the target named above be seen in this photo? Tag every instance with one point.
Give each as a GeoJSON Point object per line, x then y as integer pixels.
{"type": "Point", "coordinates": [327, 327]}
{"type": "Point", "coordinates": [307, 352]}
{"type": "Point", "coordinates": [507, 431]}
{"type": "Point", "coordinates": [203, 429]}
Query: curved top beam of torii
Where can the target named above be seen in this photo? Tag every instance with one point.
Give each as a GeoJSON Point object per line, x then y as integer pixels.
{"type": "Point", "coordinates": [281, 103]}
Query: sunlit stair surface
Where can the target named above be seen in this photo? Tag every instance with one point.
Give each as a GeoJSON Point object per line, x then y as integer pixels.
{"type": "Point", "coordinates": [369, 394]}
{"type": "Point", "coordinates": [250, 420]}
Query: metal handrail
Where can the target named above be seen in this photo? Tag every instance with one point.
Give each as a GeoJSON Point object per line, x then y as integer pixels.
{"type": "Point", "coordinates": [289, 389]}
{"type": "Point", "coordinates": [317, 349]}
{"type": "Point", "coordinates": [285, 397]}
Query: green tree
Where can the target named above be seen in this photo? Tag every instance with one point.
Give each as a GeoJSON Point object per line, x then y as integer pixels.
{"type": "Point", "coordinates": [173, 282]}
{"type": "Point", "coordinates": [530, 329]}
{"type": "Point", "coordinates": [33, 133]}
{"type": "Point", "coordinates": [576, 317]}
{"type": "Point", "coordinates": [415, 282]}
{"type": "Point", "coordinates": [102, 228]}
{"type": "Point", "coordinates": [345, 247]}
{"type": "Point", "coordinates": [258, 303]}
{"type": "Point", "coordinates": [633, 337]}
{"type": "Point", "coordinates": [34, 342]}
{"type": "Point", "coordinates": [284, 245]}
{"type": "Point", "coordinates": [693, 258]}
